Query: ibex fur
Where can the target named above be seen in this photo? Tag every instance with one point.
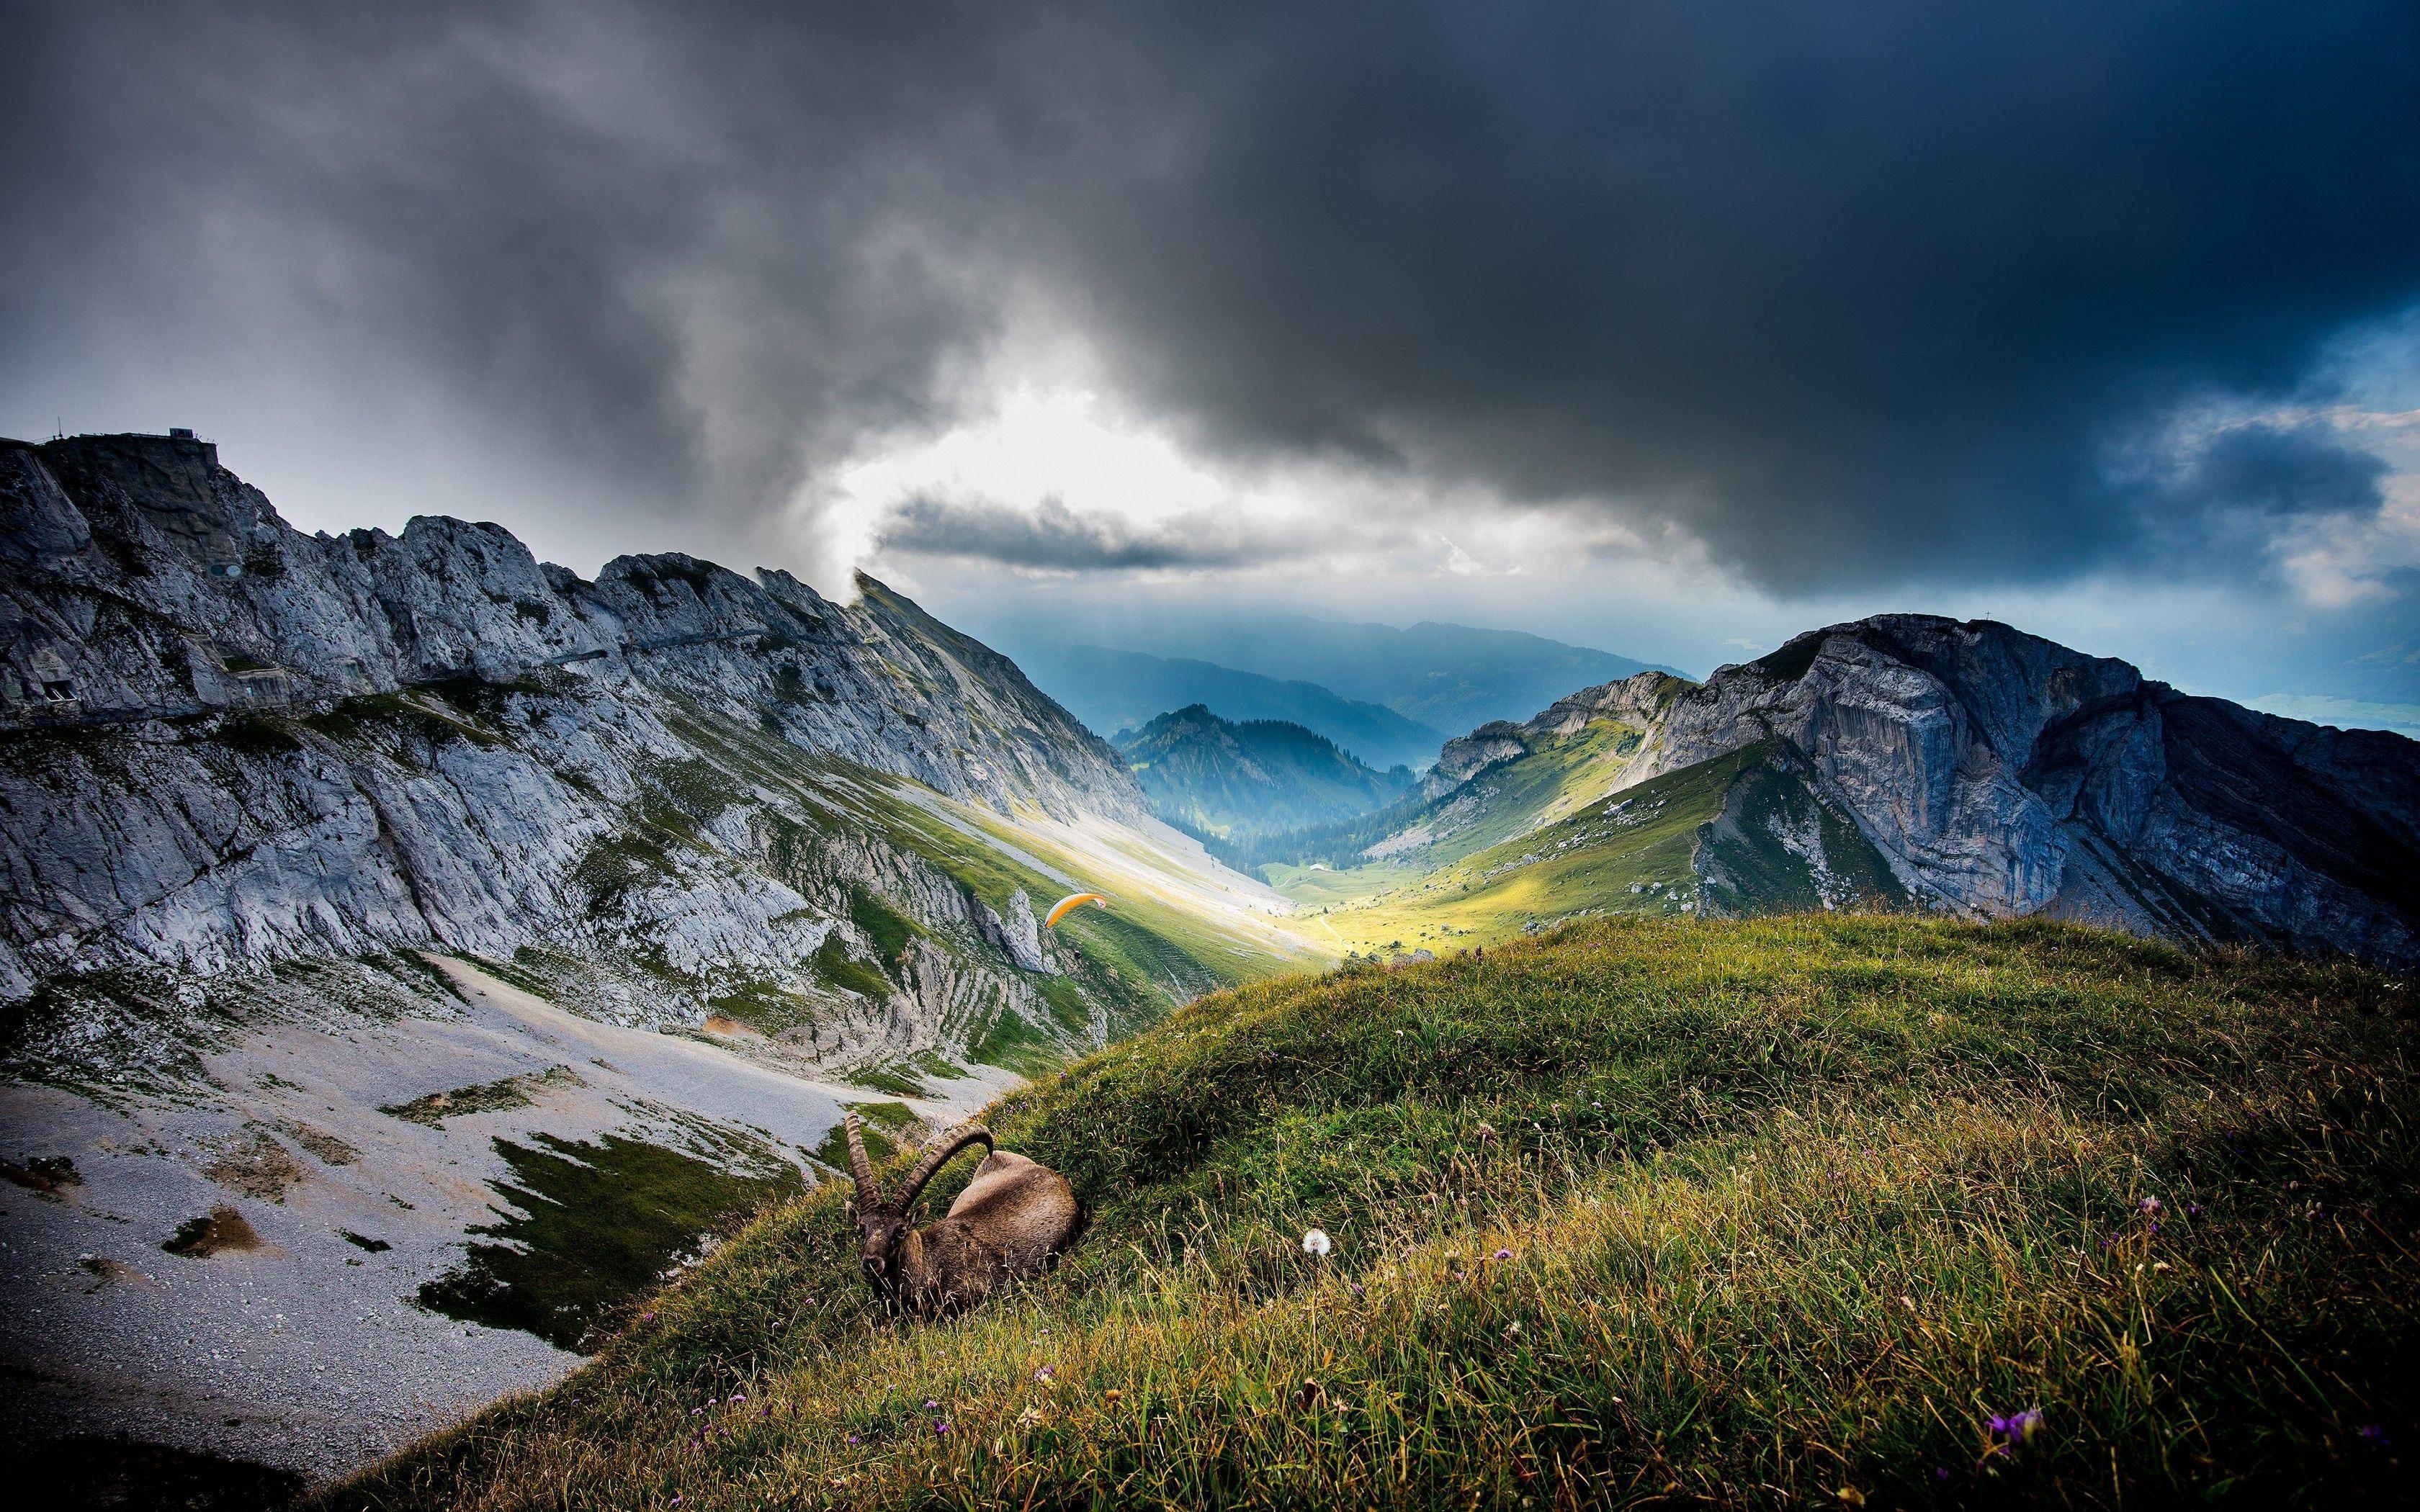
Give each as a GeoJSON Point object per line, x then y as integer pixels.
{"type": "Point", "coordinates": [1012, 1219]}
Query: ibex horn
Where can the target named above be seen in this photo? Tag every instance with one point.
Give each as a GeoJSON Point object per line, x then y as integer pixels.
{"type": "Point", "coordinates": [937, 1155]}
{"type": "Point", "coordinates": [859, 1166]}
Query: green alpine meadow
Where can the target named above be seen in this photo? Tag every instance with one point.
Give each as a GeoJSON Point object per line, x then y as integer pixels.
{"type": "Point", "coordinates": [1835, 1211]}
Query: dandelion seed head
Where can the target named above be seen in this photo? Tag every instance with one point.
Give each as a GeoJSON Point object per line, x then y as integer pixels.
{"type": "Point", "coordinates": [1316, 1243]}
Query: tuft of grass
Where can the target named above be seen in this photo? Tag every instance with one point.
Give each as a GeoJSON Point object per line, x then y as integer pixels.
{"type": "Point", "coordinates": [486, 1097]}
{"type": "Point", "coordinates": [1773, 1212]}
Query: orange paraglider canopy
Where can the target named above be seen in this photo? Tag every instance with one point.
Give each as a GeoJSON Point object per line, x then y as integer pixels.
{"type": "Point", "coordinates": [1069, 904]}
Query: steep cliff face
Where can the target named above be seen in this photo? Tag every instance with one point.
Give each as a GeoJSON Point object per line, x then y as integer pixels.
{"type": "Point", "coordinates": [669, 792]}
{"type": "Point", "coordinates": [2002, 775]}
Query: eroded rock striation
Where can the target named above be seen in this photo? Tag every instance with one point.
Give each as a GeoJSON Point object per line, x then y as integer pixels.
{"type": "Point", "coordinates": [672, 790]}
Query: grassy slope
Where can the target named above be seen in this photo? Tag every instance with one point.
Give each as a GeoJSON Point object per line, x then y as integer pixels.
{"type": "Point", "coordinates": [1586, 863]}
{"type": "Point", "coordinates": [1559, 775]}
{"type": "Point", "coordinates": [1399, 897]}
{"type": "Point", "coordinates": [1781, 1212]}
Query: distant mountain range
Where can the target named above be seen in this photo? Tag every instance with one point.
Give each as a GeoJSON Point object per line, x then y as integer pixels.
{"type": "Point", "coordinates": [1113, 690]}
{"type": "Point", "coordinates": [1222, 777]}
{"type": "Point", "coordinates": [1447, 676]}
{"type": "Point", "coordinates": [1441, 677]}
{"type": "Point", "coordinates": [1899, 762]}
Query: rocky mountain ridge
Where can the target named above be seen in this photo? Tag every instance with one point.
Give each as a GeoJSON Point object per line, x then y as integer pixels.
{"type": "Point", "coordinates": [2002, 775]}
{"type": "Point", "coordinates": [1638, 699]}
{"type": "Point", "coordinates": [1903, 760]}
{"type": "Point", "coordinates": [671, 788]}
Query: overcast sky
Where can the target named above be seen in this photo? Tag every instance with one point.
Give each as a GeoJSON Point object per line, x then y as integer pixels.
{"type": "Point", "coordinates": [1671, 328]}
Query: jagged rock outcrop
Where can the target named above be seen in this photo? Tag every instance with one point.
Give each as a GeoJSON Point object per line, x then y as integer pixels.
{"type": "Point", "coordinates": [1637, 701]}
{"type": "Point", "coordinates": [145, 580]}
{"type": "Point", "coordinates": [225, 744]}
{"type": "Point", "coordinates": [1465, 756]}
{"type": "Point", "coordinates": [2002, 775]}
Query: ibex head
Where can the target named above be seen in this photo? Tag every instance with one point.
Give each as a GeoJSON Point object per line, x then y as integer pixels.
{"type": "Point", "coordinates": [882, 1227]}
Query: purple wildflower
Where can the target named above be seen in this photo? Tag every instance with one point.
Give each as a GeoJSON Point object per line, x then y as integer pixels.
{"type": "Point", "coordinates": [2371, 1435]}
{"type": "Point", "coordinates": [2193, 1209]}
{"type": "Point", "coordinates": [1355, 1285]}
{"type": "Point", "coordinates": [940, 1427]}
{"type": "Point", "coordinates": [1044, 1373]}
{"type": "Point", "coordinates": [854, 1439]}
{"type": "Point", "coordinates": [932, 1407]}
{"type": "Point", "coordinates": [2017, 1428]}
{"type": "Point", "coordinates": [1504, 1254]}
{"type": "Point", "coordinates": [2151, 1204]}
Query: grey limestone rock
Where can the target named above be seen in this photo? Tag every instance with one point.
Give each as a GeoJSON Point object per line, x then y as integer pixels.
{"type": "Point", "coordinates": [2002, 775]}
{"type": "Point", "coordinates": [225, 744]}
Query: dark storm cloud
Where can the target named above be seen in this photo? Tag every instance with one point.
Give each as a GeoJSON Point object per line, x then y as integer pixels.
{"type": "Point", "coordinates": [1849, 293]}
{"type": "Point", "coordinates": [2276, 473]}
{"type": "Point", "coordinates": [1056, 538]}
{"type": "Point", "coordinates": [2232, 496]}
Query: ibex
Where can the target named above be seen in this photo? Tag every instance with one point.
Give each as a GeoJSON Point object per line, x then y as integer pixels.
{"type": "Point", "coordinates": [1012, 1219]}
